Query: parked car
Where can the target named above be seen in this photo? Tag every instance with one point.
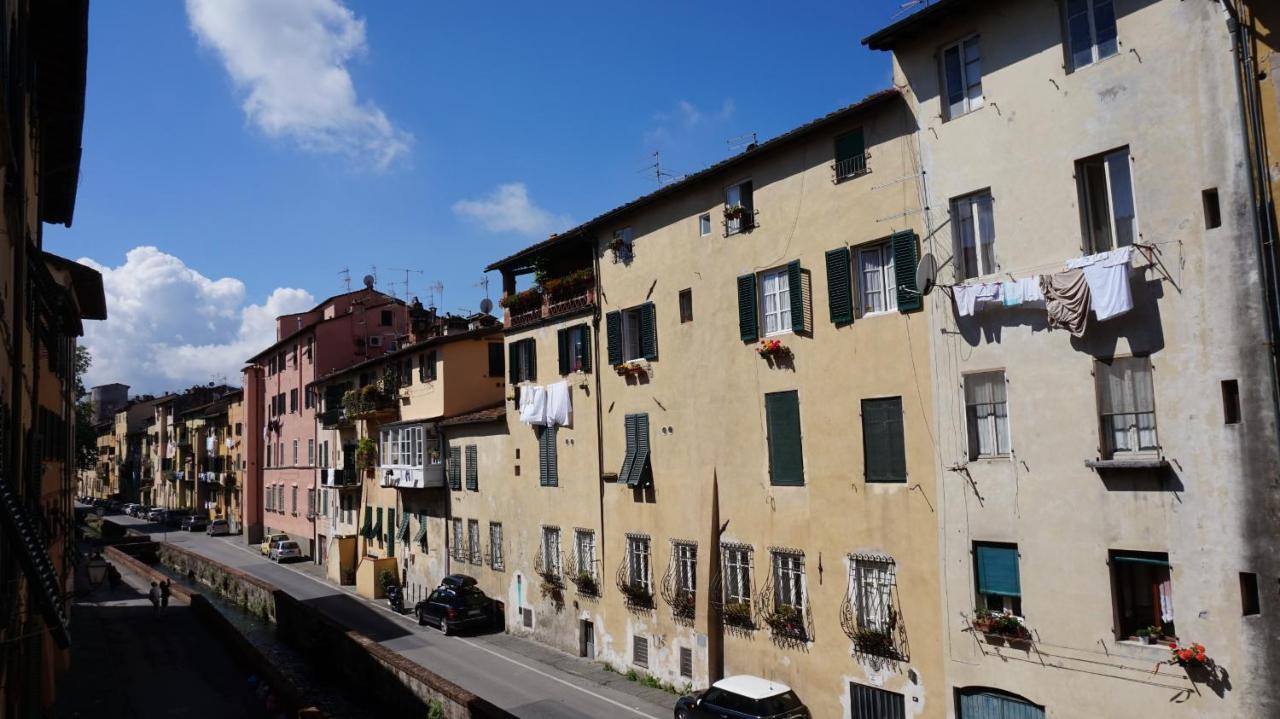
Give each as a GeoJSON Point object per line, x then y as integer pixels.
{"type": "Point", "coordinates": [194, 523]}
{"type": "Point", "coordinates": [742, 697]}
{"type": "Point", "coordinates": [458, 580]}
{"type": "Point", "coordinates": [218, 528]}
{"type": "Point", "coordinates": [271, 539]}
{"type": "Point", "coordinates": [451, 608]}
{"type": "Point", "coordinates": [157, 514]}
{"type": "Point", "coordinates": [141, 511]}
{"type": "Point", "coordinates": [287, 549]}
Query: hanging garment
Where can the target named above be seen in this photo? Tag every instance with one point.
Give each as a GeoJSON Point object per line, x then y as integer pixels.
{"type": "Point", "coordinates": [533, 404]}
{"type": "Point", "coordinates": [965, 297]}
{"type": "Point", "coordinates": [1029, 290]}
{"type": "Point", "coordinates": [1108, 290]}
{"type": "Point", "coordinates": [1166, 601]}
{"type": "Point", "coordinates": [1110, 258]}
{"type": "Point", "coordinates": [987, 294]}
{"type": "Point", "coordinates": [559, 404]}
{"type": "Point", "coordinates": [1067, 300]}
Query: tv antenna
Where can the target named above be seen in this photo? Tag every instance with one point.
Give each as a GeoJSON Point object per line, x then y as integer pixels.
{"type": "Point", "coordinates": [406, 271]}
{"type": "Point", "coordinates": [906, 6]}
{"type": "Point", "coordinates": [486, 305]}
{"type": "Point", "coordinates": [742, 142]}
{"type": "Point", "coordinates": [660, 176]}
{"type": "Point", "coordinates": [435, 294]}
{"type": "Point", "coordinates": [345, 274]}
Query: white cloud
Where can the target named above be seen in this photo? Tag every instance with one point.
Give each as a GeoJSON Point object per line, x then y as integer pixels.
{"type": "Point", "coordinates": [289, 59]}
{"type": "Point", "coordinates": [169, 327]}
{"type": "Point", "coordinates": [686, 116]}
{"type": "Point", "coordinates": [509, 209]}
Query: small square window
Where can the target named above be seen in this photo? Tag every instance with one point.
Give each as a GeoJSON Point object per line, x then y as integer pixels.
{"type": "Point", "coordinates": [686, 305]}
{"type": "Point", "coordinates": [704, 224]}
{"type": "Point", "coordinates": [1212, 211]}
{"type": "Point", "coordinates": [1230, 401]}
{"type": "Point", "coordinates": [1249, 600]}
{"type": "Point", "coordinates": [386, 318]}
{"type": "Point", "coordinates": [1143, 593]}
{"type": "Point", "coordinates": [999, 586]}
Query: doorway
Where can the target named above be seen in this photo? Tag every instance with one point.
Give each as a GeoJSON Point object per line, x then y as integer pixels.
{"type": "Point", "coordinates": [587, 640]}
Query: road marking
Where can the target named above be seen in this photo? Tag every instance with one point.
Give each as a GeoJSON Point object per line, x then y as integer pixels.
{"type": "Point", "coordinates": [571, 685]}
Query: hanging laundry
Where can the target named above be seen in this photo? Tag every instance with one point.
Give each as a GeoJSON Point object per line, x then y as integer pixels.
{"type": "Point", "coordinates": [1165, 592]}
{"type": "Point", "coordinates": [1022, 291]}
{"type": "Point", "coordinates": [970, 298]}
{"type": "Point", "coordinates": [1108, 276]}
{"type": "Point", "coordinates": [533, 404]}
{"type": "Point", "coordinates": [559, 404]}
{"type": "Point", "coordinates": [1067, 300]}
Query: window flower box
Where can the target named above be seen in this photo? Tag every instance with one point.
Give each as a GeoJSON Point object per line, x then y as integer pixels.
{"type": "Point", "coordinates": [773, 349]}
{"type": "Point", "coordinates": [519, 301]}
{"type": "Point", "coordinates": [1149, 635]}
{"type": "Point", "coordinates": [684, 604]}
{"type": "Point", "coordinates": [637, 594]}
{"type": "Point", "coordinates": [878, 642]}
{"type": "Point", "coordinates": [1190, 656]}
{"type": "Point", "coordinates": [733, 212]}
{"type": "Point", "coordinates": [587, 583]}
{"type": "Point", "coordinates": [738, 614]}
{"type": "Point", "coordinates": [787, 622]}
{"type": "Point", "coordinates": [631, 369]}
{"type": "Point", "coordinates": [999, 627]}
{"type": "Point", "coordinates": [621, 250]}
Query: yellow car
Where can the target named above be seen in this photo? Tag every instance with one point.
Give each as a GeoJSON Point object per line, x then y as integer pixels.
{"type": "Point", "coordinates": [271, 539]}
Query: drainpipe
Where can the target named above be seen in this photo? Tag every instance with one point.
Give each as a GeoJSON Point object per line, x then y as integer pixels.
{"type": "Point", "coordinates": [595, 330]}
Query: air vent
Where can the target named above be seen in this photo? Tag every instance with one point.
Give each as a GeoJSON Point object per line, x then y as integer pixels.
{"type": "Point", "coordinates": [528, 618]}
{"type": "Point", "coordinates": [640, 651]}
{"type": "Point", "coordinates": [686, 662]}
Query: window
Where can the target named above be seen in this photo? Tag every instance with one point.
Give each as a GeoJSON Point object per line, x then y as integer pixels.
{"type": "Point", "coordinates": [524, 361]}
{"type": "Point", "coordinates": [686, 561]}
{"type": "Point", "coordinates": [295, 452]}
{"type": "Point", "coordinates": [636, 460]}
{"type": "Point", "coordinates": [788, 581]}
{"type": "Point", "coordinates": [1106, 201]}
{"type": "Point", "coordinates": [704, 224]}
{"type": "Point", "coordinates": [496, 365]}
{"type": "Point", "coordinates": [239, 429]}
{"type": "Point", "coordinates": [386, 318]}
{"type": "Point", "coordinates": [293, 495]}
{"type": "Point", "coordinates": [980, 703]}
{"type": "Point", "coordinates": [739, 208]}
{"type": "Point", "coordinates": [987, 414]}
{"type": "Point", "coordinates": [851, 155]}
{"type": "Point", "coordinates": [1143, 592]}
{"type": "Point", "coordinates": [459, 546]}
{"type": "Point", "coordinates": [1212, 212]}
{"type": "Point", "coordinates": [877, 283]}
{"type": "Point", "coordinates": [975, 234]}
{"type": "Point", "coordinates": [495, 545]}
{"type": "Point", "coordinates": [871, 582]}
{"type": "Point", "coordinates": [454, 468]}
{"type": "Point", "coordinates": [775, 301]}
{"type": "Point", "coordinates": [782, 422]}
{"type": "Point", "coordinates": [293, 401]}
{"type": "Point", "coordinates": [632, 334]}
{"type": "Point", "coordinates": [996, 570]}
{"type": "Point", "coordinates": [574, 349]}
{"type": "Point", "coordinates": [473, 471]}
{"type": "Point", "coordinates": [1250, 603]}
{"type": "Point", "coordinates": [429, 372]}
{"type": "Point", "coordinates": [962, 75]}
{"type": "Point", "coordinates": [686, 305]}
{"type": "Point", "coordinates": [1230, 401]}
{"type": "Point", "coordinates": [1126, 407]}
{"type": "Point", "coordinates": [311, 452]}
{"type": "Point", "coordinates": [737, 573]}
{"type": "Point", "coordinates": [585, 544]}
{"type": "Point", "coordinates": [473, 539]}
{"type": "Point", "coordinates": [401, 447]}
{"type": "Point", "coordinates": [869, 702]}
{"type": "Point", "coordinates": [548, 469]}
{"type": "Point", "coordinates": [308, 398]}
{"type": "Point", "coordinates": [622, 238]}
{"type": "Point", "coordinates": [1091, 31]}
{"type": "Point", "coordinates": [883, 447]}
{"type": "Point", "coordinates": [269, 455]}
{"type": "Point", "coordinates": [638, 562]}
{"type": "Point", "coordinates": [551, 551]}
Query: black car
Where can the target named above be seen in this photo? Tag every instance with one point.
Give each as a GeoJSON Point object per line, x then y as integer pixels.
{"type": "Point", "coordinates": [456, 607]}
{"type": "Point", "coordinates": [742, 697]}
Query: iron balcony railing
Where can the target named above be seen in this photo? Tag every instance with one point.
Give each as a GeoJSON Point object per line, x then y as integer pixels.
{"type": "Point", "coordinates": [850, 167]}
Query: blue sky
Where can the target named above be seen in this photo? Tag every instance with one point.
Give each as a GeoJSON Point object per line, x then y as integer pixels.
{"type": "Point", "coordinates": [197, 143]}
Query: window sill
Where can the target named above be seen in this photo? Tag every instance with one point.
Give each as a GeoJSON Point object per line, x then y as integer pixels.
{"type": "Point", "coordinates": [1130, 463]}
{"type": "Point", "coordinates": [881, 313]}
{"type": "Point", "coordinates": [946, 118]}
{"type": "Point", "coordinates": [1137, 650]}
{"type": "Point", "coordinates": [991, 458]}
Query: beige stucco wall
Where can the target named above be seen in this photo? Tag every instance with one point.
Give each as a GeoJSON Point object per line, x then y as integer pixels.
{"type": "Point", "coordinates": [486, 504]}
{"type": "Point", "coordinates": [1168, 95]}
{"type": "Point", "coordinates": [705, 401]}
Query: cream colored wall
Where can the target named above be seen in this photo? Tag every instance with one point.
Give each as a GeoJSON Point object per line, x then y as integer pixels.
{"type": "Point", "coordinates": [371, 552]}
{"type": "Point", "coordinates": [461, 385]}
{"type": "Point", "coordinates": [705, 401]}
{"type": "Point", "coordinates": [488, 503]}
{"type": "Point", "coordinates": [1170, 96]}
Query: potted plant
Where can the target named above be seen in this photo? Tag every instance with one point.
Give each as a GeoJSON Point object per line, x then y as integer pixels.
{"type": "Point", "coordinates": [637, 594]}
{"type": "Point", "coordinates": [387, 579]}
{"type": "Point", "coordinates": [366, 454]}
{"type": "Point", "coordinates": [1001, 625]}
{"type": "Point", "coordinates": [620, 248]}
{"type": "Point", "coordinates": [738, 614]}
{"type": "Point", "coordinates": [551, 590]}
{"type": "Point", "coordinates": [1189, 656]}
{"type": "Point", "coordinates": [519, 301]}
{"type": "Point", "coordinates": [733, 212]}
{"type": "Point", "coordinates": [1149, 635]}
{"type": "Point", "coordinates": [684, 604]}
{"type": "Point", "coordinates": [586, 582]}
{"type": "Point", "coordinates": [875, 641]}
{"type": "Point", "coordinates": [771, 349]}
{"type": "Point", "coordinates": [630, 369]}
{"type": "Point", "coordinates": [786, 621]}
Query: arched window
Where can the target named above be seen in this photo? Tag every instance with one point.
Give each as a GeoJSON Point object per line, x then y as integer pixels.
{"type": "Point", "coordinates": [987, 703]}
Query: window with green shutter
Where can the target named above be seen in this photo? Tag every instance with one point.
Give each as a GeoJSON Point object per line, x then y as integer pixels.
{"type": "Point", "coordinates": [454, 469]}
{"type": "Point", "coordinates": [851, 155]}
{"type": "Point", "coordinates": [786, 455]}
{"type": "Point", "coordinates": [377, 524]}
{"type": "Point", "coordinates": [636, 469]}
{"type": "Point", "coordinates": [522, 361]}
{"type": "Point", "coordinates": [431, 366]}
{"type": "Point", "coordinates": [366, 529]}
{"type": "Point", "coordinates": [473, 472]}
{"type": "Point", "coordinates": [839, 286]}
{"type": "Point", "coordinates": [548, 471]}
{"type": "Point", "coordinates": [613, 332]}
{"type": "Point", "coordinates": [632, 334]}
{"type": "Point", "coordinates": [422, 367]}
{"type": "Point", "coordinates": [391, 532]}
{"type": "Point", "coordinates": [905, 258]}
{"type": "Point", "coordinates": [748, 322]}
{"type": "Point", "coordinates": [574, 349]}
{"type": "Point", "coordinates": [495, 359]}
{"type": "Point", "coordinates": [997, 576]}
{"type": "Point", "coordinates": [884, 452]}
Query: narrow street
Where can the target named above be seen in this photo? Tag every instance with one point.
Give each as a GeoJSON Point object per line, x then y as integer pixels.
{"type": "Point", "coordinates": [519, 676]}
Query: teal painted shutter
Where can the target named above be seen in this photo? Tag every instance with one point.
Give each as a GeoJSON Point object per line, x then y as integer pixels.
{"type": "Point", "coordinates": [786, 456]}
{"type": "Point", "coordinates": [562, 345]}
{"type": "Point", "coordinates": [585, 358]}
{"type": "Point", "coordinates": [473, 472]}
{"type": "Point", "coordinates": [455, 468]}
{"type": "Point", "coordinates": [839, 288]}
{"type": "Point", "coordinates": [642, 450]}
{"type": "Point", "coordinates": [648, 331]}
{"type": "Point", "coordinates": [613, 330]}
{"type": "Point", "coordinates": [747, 317]}
{"type": "Point", "coordinates": [513, 363]}
{"type": "Point", "coordinates": [987, 705]}
{"type": "Point", "coordinates": [904, 270]}
{"type": "Point", "coordinates": [882, 440]}
{"type": "Point", "coordinates": [629, 429]}
{"type": "Point", "coordinates": [997, 569]}
{"type": "Point", "coordinates": [795, 291]}
{"type": "Point", "coordinates": [391, 532]}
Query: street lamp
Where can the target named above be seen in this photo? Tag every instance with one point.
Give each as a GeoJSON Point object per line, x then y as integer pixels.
{"type": "Point", "coordinates": [97, 568]}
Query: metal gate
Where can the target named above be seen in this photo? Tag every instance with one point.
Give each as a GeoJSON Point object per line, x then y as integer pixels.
{"type": "Point", "coordinates": [873, 703]}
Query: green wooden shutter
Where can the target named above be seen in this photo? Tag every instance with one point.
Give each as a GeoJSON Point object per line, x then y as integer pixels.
{"type": "Point", "coordinates": [585, 359]}
{"type": "Point", "coordinates": [629, 429]}
{"type": "Point", "coordinates": [748, 321]}
{"type": "Point", "coordinates": [562, 345]}
{"type": "Point", "coordinates": [795, 292]}
{"type": "Point", "coordinates": [839, 287]}
{"type": "Point", "coordinates": [850, 145]}
{"type": "Point", "coordinates": [997, 569]}
{"type": "Point", "coordinates": [547, 471]}
{"type": "Point", "coordinates": [884, 452]}
{"type": "Point", "coordinates": [391, 532]}
{"type": "Point", "coordinates": [904, 270]}
{"type": "Point", "coordinates": [786, 456]}
{"type": "Point", "coordinates": [648, 331]}
{"type": "Point", "coordinates": [513, 363]}
{"type": "Point", "coordinates": [455, 468]}
{"type": "Point", "coordinates": [473, 472]}
{"type": "Point", "coordinates": [531, 359]}
{"type": "Point", "coordinates": [642, 451]}
{"type": "Point", "coordinates": [613, 331]}
{"type": "Point", "coordinates": [431, 366]}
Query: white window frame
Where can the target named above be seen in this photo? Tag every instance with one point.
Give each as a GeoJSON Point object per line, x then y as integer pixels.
{"type": "Point", "coordinates": [885, 279]}
{"type": "Point", "coordinates": [1086, 196]}
{"type": "Point", "coordinates": [781, 295]}
{"type": "Point", "coordinates": [789, 583]}
{"type": "Point", "coordinates": [311, 452]}
{"type": "Point", "coordinates": [737, 574]}
{"type": "Point", "coordinates": [631, 345]}
{"type": "Point", "coordinates": [966, 218]}
{"type": "Point", "coordinates": [1002, 440]}
{"type": "Point", "coordinates": [969, 102]}
{"type": "Point", "coordinates": [585, 548]}
{"type": "Point", "coordinates": [704, 224]}
{"type": "Point", "coordinates": [638, 565]}
{"type": "Point", "coordinates": [551, 550]}
{"type": "Point", "coordinates": [402, 446]}
{"type": "Point", "coordinates": [1133, 433]}
{"type": "Point", "coordinates": [686, 556]}
{"type": "Point", "coordinates": [733, 198]}
{"type": "Point", "coordinates": [1094, 51]}
{"type": "Point", "coordinates": [871, 583]}
{"type": "Point", "coordinates": [295, 453]}
{"type": "Point", "coordinates": [495, 545]}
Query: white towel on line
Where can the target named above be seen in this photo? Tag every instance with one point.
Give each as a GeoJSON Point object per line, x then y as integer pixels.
{"type": "Point", "coordinates": [559, 407]}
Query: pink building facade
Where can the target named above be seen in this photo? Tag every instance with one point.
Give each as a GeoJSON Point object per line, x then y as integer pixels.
{"type": "Point", "coordinates": [281, 435]}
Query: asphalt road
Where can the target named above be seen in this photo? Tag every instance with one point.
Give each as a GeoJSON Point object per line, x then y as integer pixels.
{"type": "Point", "coordinates": [523, 685]}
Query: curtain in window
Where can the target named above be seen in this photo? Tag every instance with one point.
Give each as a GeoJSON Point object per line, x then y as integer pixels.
{"type": "Point", "coordinates": [872, 281]}
{"type": "Point", "coordinates": [1127, 400]}
{"type": "Point", "coordinates": [988, 414]}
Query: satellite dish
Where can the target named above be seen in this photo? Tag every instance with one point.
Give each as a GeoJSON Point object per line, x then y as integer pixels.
{"type": "Point", "coordinates": [486, 305]}
{"type": "Point", "coordinates": [926, 274]}
{"type": "Point", "coordinates": [368, 282]}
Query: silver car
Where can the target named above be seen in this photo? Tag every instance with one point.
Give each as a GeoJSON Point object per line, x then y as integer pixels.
{"type": "Point", "coordinates": [287, 549]}
{"type": "Point", "coordinates": [218, 528]}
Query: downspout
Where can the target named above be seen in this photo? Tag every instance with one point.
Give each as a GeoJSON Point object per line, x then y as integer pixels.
{"type": "Point", "coordinates": [595, 330]}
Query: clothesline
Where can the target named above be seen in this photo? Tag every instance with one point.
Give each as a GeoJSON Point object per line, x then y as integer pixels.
{"type": "Point", "coordinates": [1046, 267]}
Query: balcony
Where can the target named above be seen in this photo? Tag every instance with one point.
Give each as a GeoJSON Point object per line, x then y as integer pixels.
{"type": "Point", "coordinates": [848, 168]}
{"type": "Point", "coordinates": [367, 401]}
{"type": "Point", "coordinates": [552, 297]}
{"type": "Point", "coordinates": [403, 477]}
{"type": "Point", "coordinates": [339, 477]}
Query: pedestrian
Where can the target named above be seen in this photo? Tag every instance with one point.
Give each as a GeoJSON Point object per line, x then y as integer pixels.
{"type": "Point", "coordinates": [154, 596]}
{"type": "Point", "coordinates": [164, 593]}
